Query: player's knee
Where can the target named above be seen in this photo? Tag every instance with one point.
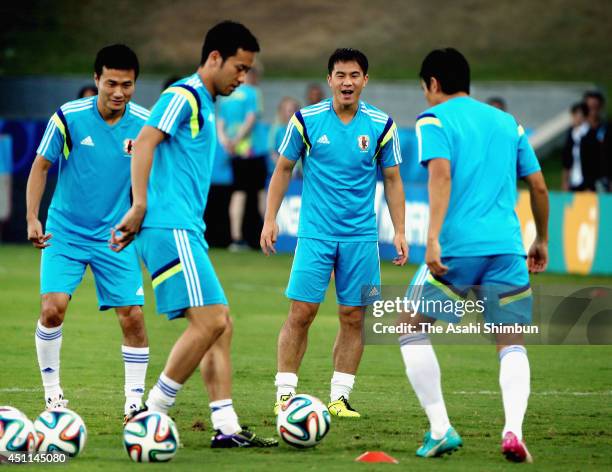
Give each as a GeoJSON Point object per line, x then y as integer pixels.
{"type": "Point", "coordinates": [302, 315]}
{"type": "Point", "coordinates": [212, 323]}
{"type": "Point", "coordinates": [51, 314]}
{"type": "Point", "coordinates": [229, 325]}
{"type": "Point", "coordinates": [133, 326]}
{"type": "Point", "coordinates": [351, 318]}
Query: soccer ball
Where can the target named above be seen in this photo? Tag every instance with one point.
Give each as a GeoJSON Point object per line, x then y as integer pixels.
{"type": "Point", "coordinates": [17, 432]}
{"type": "Point", "coordinates": [303, 421]}
{"type": "Point", "coordinates": [60, 430]}
{"type": "Point", "coordinates": [151, 437]}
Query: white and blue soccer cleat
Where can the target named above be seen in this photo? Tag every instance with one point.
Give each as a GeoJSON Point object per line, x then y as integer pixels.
{"type": "Point", "coordinates": [449, 443]}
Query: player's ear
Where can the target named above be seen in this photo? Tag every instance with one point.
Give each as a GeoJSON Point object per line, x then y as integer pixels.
{"type": "Point", "coordinates": [215, 59]}
{"type": "Point", "coordinates": [329, 80]}
{"type": "Point", "coordinates": [365, 80]}
{"type": "Point", "coordinates": [96, 80]}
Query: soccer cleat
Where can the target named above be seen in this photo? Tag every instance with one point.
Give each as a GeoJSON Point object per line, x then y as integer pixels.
{"type": "Point", "coordinates": [133, 411]}
{"type": "Point", "coordinates": [342, 409]}
{"type": "Point", "coordinates": [244, 438]}
{"type": "Point", "coordinates": [56, 402]}
{"type": "Point", "coordinates": [450, 442]}
{"type": "Point", "coordinates": [277, 405]}
{"type": "Point", "coordinates": [514, 449]}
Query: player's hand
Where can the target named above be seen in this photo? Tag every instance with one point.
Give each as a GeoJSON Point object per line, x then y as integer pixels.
{"type": "Point", "coordinates": [537, 257]}
{"type": "Point", "coordinates": [399, 241]}
{"type": "Point", "coordinates": [269, 234]}
{"type": "Point", "coordinates": [129, 228]}
{"type": "Point", "coordinates": [433, 258]}
{"type": "Point", "coordinates": [36, 234]}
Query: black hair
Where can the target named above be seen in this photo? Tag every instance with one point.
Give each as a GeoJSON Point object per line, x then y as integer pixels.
{"type": "Point", "coordinates": [497, 100]}
{"type": "Point", "coordinates": [582, 107]}
{"type": "Point", "coordinates": [596, 94]}
{"type": "Point", "coordinates": [347, 55]}
{"type": "Point", "coordinates": [116, 56]}
{"type": "Point", "coordinates": [449, 67]}
{"type": "Point", "coordinates": [87, 88]}
{"type": "Point", "coordinates": [170, 80]}
{"type": "Point", "coordinates": [227, 37]}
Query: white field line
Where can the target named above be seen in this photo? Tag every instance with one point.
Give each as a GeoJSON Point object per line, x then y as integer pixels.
{"type": "Point", "coordinates": [549, 393]}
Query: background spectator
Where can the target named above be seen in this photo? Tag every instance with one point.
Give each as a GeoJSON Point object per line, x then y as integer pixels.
{"type": "Point", "coordinates": [497, 102]}
{"type": "Point", "coordinates": [88, 91]}
{"type": "Point", "coordinates": [6, 177]}
{"type": "Point", "coordinates": [242, 139]}
{"type": "Point", "coordinates": [572, 176]}
{"type": "Point", "coordinates": [314, 94]}
{"type": "Point", "coordinates": [591, 145]}
{"type": "Point", "coordinates": [285, 110]}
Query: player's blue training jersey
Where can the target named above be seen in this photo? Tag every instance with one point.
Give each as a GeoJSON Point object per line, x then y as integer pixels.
{"type": "Point", "coordinates": [340, 162]}
{"type": "Point", "coordinates": [183, 163]}
{"type": "Point", "coordinates": [234, 109]}
{"type": "Point", "coordinates": [93, 187]}
{"type": "Point", "coordinates": [487, 151]}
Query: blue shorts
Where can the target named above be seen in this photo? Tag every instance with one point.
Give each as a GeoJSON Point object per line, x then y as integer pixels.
{"type": "Point", "coordinates": [117, 276]}
{"type": "Point", "coordinates": [356, 267]}
{"type": "Point", "coordinates": [500, 283]}
{"type": "Point", "coordinates": [181, 272]}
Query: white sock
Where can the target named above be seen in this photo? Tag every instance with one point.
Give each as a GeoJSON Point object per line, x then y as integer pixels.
{"type": "Point", "coordinates": [341, 385]}
{"type": "Point", "coordinates": [162, 395]}
{"type": "Point", "coordinates": [135, 360]}
{"type": "Point", "coordinates": [286, 383]}
{"type": "Point", "coordinates": [223, 416]}
{"type": "Point", "coordinates": [48, 346]}
{"type": "Point", "coordinates": [423, 372]}
{"type": "Point", "coordinates": [514, 382]}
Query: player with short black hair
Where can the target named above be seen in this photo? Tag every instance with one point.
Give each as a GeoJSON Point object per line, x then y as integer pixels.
{"type": "Point", "coordinates": [342, 143]}
{"type": "Point", "coordinates": [171, 175]}
{"type": "Point", "coordinates": [474, 154]}
{"type": "Point", "coordinates": [91, 141]}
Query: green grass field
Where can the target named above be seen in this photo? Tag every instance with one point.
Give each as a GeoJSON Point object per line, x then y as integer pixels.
{"type": "Point", "coordinates": [567, 425]}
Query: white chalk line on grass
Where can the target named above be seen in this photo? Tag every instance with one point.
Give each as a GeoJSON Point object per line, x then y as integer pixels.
{"type": "Point", "coordinates": [551, 393]}
{"type": "Point", "coordinates": [546, 393]}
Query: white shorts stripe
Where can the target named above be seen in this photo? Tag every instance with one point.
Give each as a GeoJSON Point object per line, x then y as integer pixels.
{"type": "Point", "coordinates": [194, 269]}
{"type": "Point", "coordinates": [186, 269]}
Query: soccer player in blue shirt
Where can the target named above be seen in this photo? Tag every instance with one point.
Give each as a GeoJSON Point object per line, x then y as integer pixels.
{"type": "Point", "coordinates": [474, 154]}
{"type": "Point", "coordinates": [342, 142]}
{"type": "Point", "coordinates": [171, 173]}
{"type": "Point", "coordinates": [91, 141]}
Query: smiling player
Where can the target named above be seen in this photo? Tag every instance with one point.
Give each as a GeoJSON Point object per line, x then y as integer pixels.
{"type": "Point", "coordinates": [342, 142]}
{"type": "Point", "coordinates": [90, 139]}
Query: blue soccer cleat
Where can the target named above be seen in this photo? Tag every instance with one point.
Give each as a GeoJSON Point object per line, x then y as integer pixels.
{"type": "Point", "coordinates": [450, 442]}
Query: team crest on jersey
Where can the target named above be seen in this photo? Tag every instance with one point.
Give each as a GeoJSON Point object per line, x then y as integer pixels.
{"type": "Point", "coordinates": [364, 142]}
{"type": "Point", "coordinates": [128, 146]}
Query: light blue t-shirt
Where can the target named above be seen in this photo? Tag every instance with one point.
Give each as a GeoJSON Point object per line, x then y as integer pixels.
{"type": "Point", "coordinates": [234, 109]}
{"type": "Point", "coordinates": [340, 162]}
{"type": "Point", "coordinates": [487, 151]}
{"type": "Point", "coordinates": [93, 187]}
{"type": "Point", "coordinates": [183, 162]}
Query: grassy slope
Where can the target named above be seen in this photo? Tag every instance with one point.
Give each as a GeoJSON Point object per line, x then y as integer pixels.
{"type": "Point", "coordinates": [520, 39]}
{"type": "Point", "coordinates": [565, 431]}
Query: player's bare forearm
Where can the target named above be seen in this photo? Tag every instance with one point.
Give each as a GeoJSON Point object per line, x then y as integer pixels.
{"type": "Point", "coordinates": [142, 161]}
{"type": "Point", "coordinates": [439, 188]}
{"type": "Point", "coordinates": [278, 186]}
{"type": "Point", "coordinates": [276, 192]}
{"type": "Point", "coordinates": [538, 193]}
{"type": "Point", "coordinates": [37, 181]}
{"type": "Point", "coordinates": [396, 200]}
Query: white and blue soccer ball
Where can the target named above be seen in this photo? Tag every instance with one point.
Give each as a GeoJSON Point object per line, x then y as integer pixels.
{"type": "Point", "coordinates": [303, 421]}
{"type": "Point", "coordinates": [151, 437]}
{"type": "Point", "coordinates": [60, 430]}
{"type": "Point", "coordinates": [17, 434]}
